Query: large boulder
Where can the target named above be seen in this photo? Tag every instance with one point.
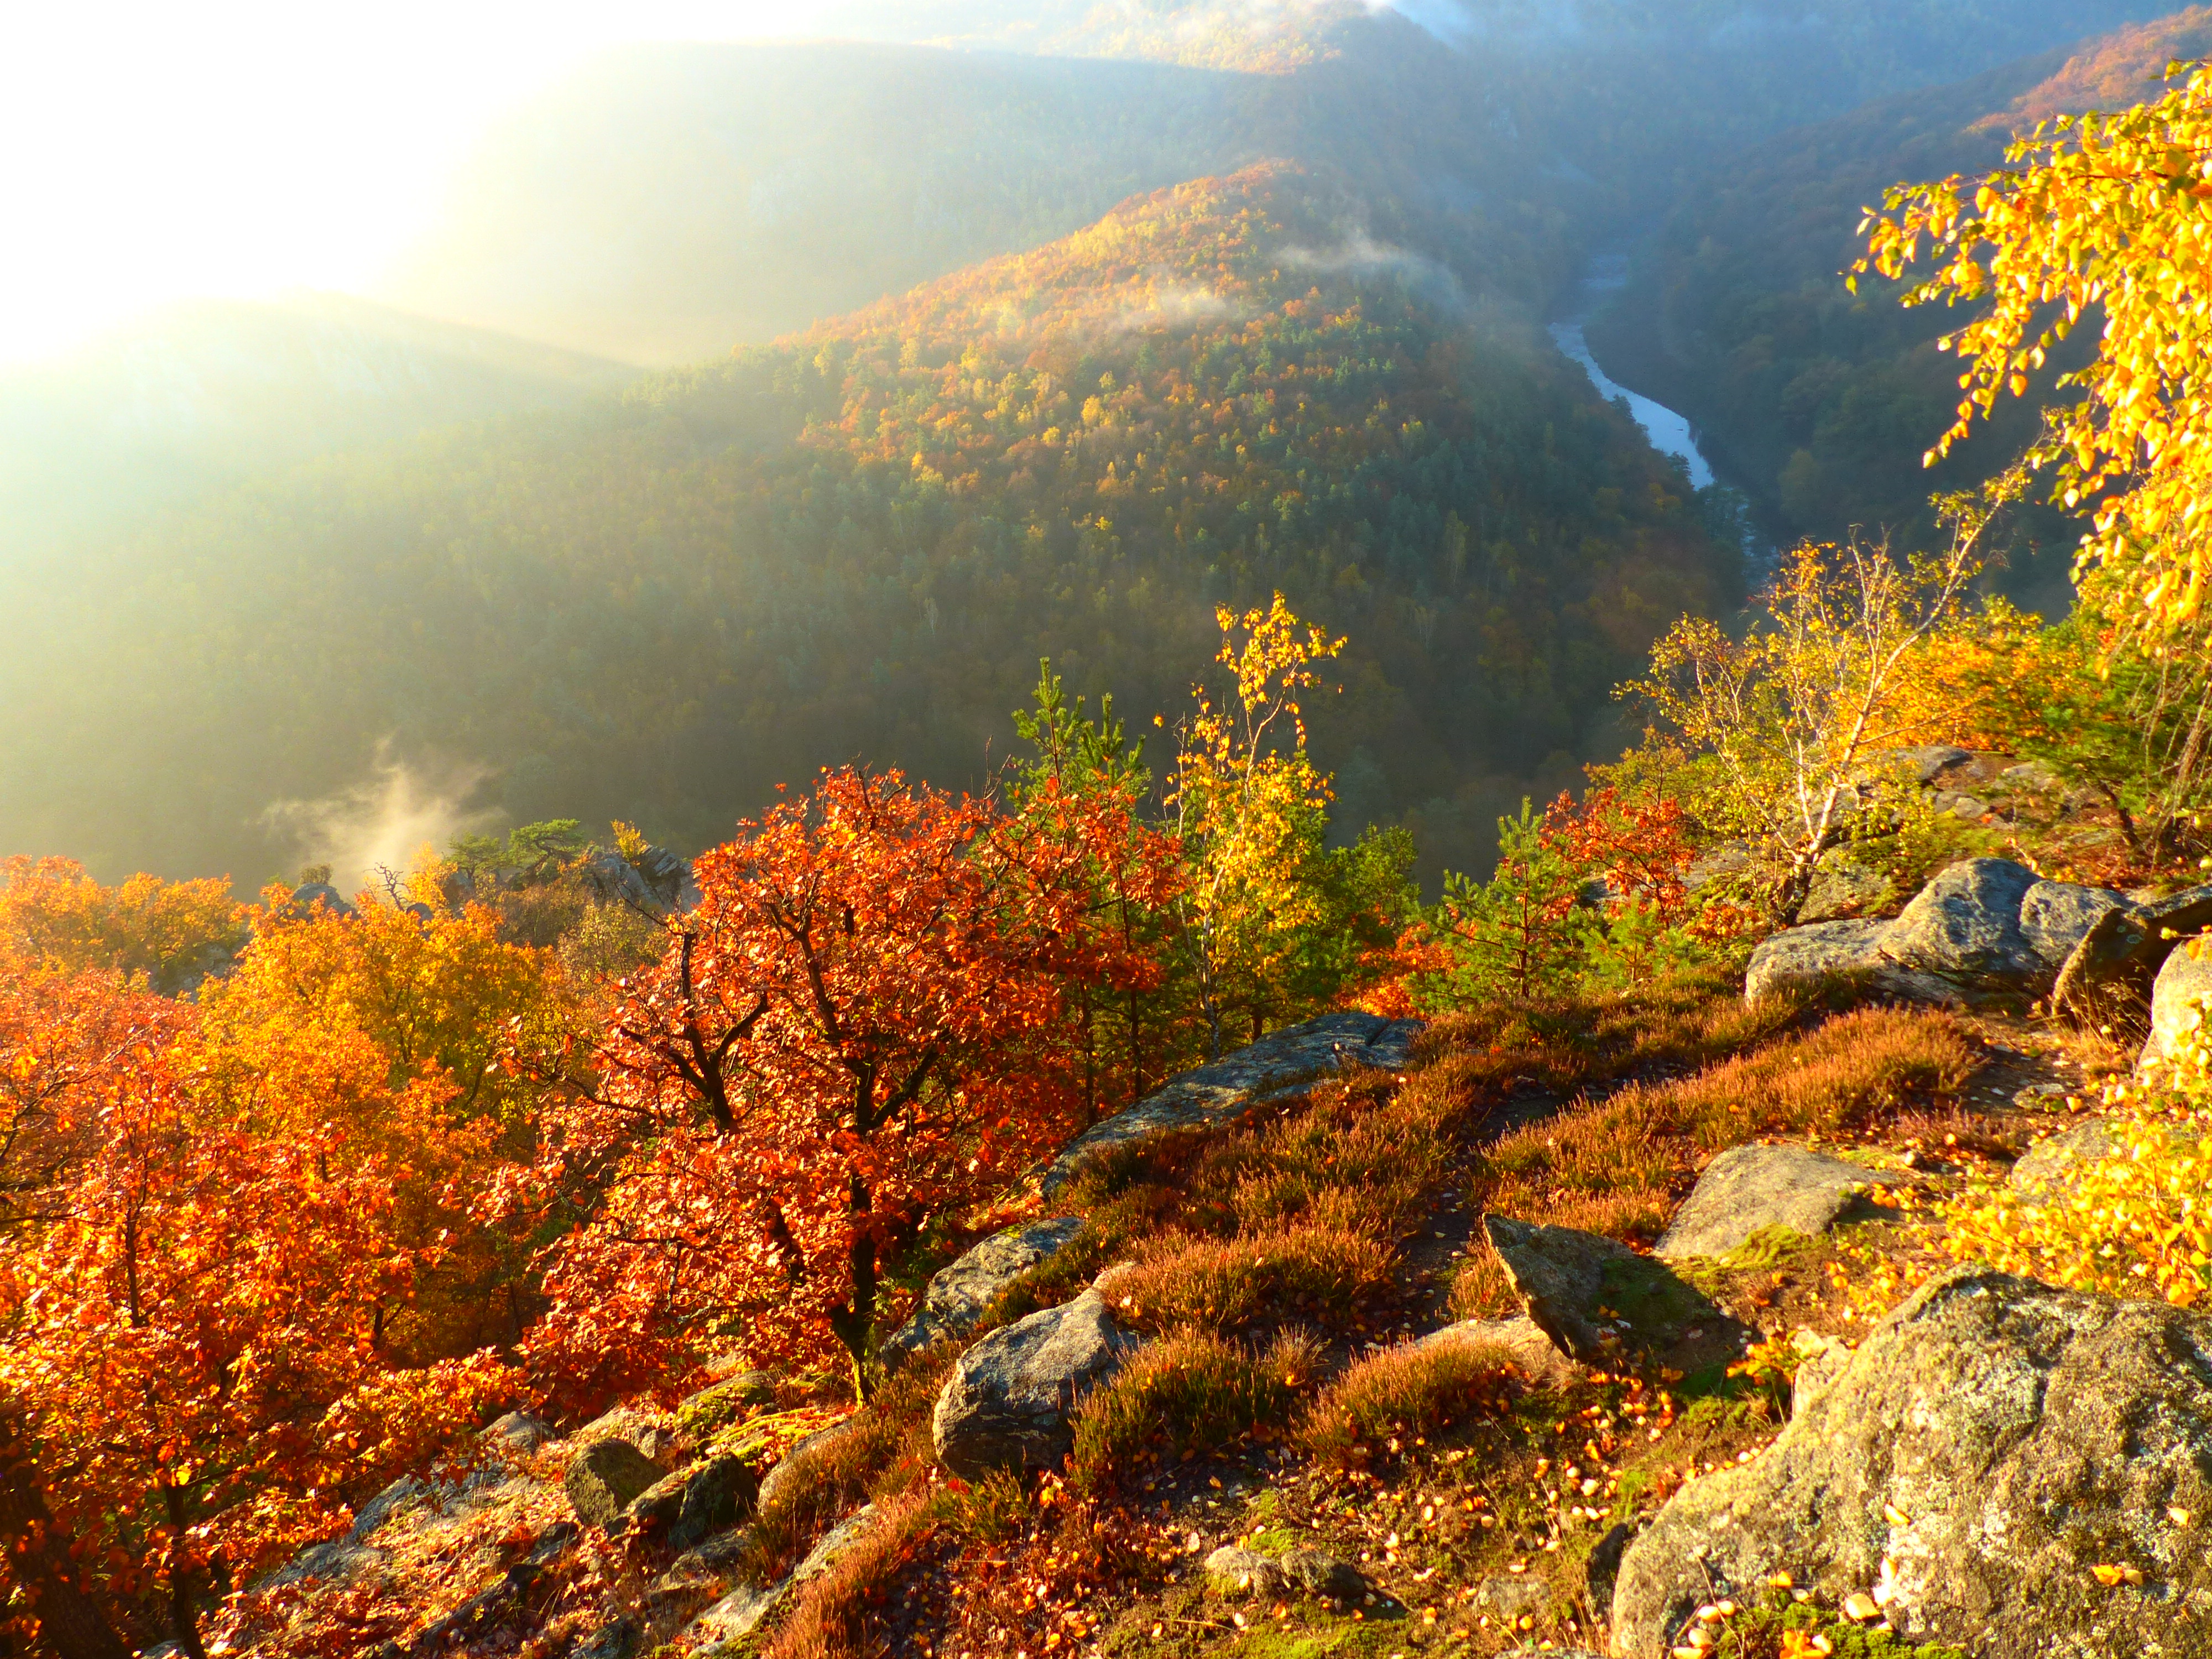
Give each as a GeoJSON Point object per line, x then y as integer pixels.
{"type": "Point", "coordinates": [1008, 1401]}
{"type": "Point", "coordinates": [2179, 999]}
{"type": "Point", "coordinates": [2112, 971]}
{"type": "Point", "coordinates": [1598, 1300]}
{"type": "Point", "coordinates": [1748, 1189]}
{"type": "Point", "coordinates": [1806, 957]}
{"type": "Point", "coordinates": [1990, 1445]}
{"type": "Point", "coordinates": [1965, 927]}
{"type": "Point", "coordinates": [959, 1295]}
{"type": "Point", "coordinates": [604, 1477]}
{"type": "Point", "coordinates": [1279, 1064]}
{"type": "Point", "coordinates": [2056, 916]}
{"type": "Point", "coordinates": [1984, 930]}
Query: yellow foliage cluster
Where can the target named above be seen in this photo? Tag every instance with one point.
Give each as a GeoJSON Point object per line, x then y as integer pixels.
{"type": "Point", "coordinates": [53, 913]}
{"type": "Point", "coordinates": [2134, 1223]}
{"type": "Point", "coordinates": [2103, 213]}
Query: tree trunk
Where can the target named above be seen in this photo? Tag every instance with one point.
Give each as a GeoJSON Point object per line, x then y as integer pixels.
{"type": "Point", "coordinates": [71, 1624]}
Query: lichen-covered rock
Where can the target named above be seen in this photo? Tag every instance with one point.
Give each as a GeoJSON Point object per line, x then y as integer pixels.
{"type": "Point", "coordinates": [2178, 997]}
{"type": "Point", "coordinates": [1597, 1299]}
{"type": "Point", "coordinates": [1321, 1574]}
{"type": "Point", "coordinates": [958, 1294]}
{"type": "Point", "coordinates": [1842, 888]}
{"type": "Point", "coordinates": [1006, 1405]}
{"type": "Point", "coordinates": [2045, 1164]}
{"type": "Point", "coordinates": [1513, 1596]}
{"type": "Point", "coordinates": [1748, 1189]}
{"type": "Point", "coordinates": [2055, 916]}
{"type": "Point", "coordinates": [719, 1405]}
{"type": "Point", "coordinates": [1800, 957]}
{"type": "Point", "coordinates": [1278, 1063]}
{"type": "Point", "coordinates": [1965, 927]}
{"type": "Point", "coordinates": [1993, 1440]}
{"type": "Point", "coordinates": [604, 1477]}
{"type": "Point", "coordinates": [710, 1497]}
{"type": "Point", "coordinates": [1247, 1570]}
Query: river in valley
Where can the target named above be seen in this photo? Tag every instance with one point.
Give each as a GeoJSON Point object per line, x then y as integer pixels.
{"type": "Point", "coordinates": [1606, 275]}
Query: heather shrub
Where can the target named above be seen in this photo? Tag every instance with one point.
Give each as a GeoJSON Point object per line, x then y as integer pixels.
{"type": "Point", "coordinates": [839, 1615]}
{"type": "Point", "coordinates": [1192, 1391]}
{"type": "Point", "coordinates": [1302, 1271]}
{"type": "Point", "coordinates": [1413, 1389]}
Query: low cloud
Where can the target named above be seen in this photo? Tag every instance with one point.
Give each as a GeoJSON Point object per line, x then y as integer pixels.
{"type": "Point", "coordinates": [1360, 255]}
{"type": "Point", "coordinates": [383, 822]}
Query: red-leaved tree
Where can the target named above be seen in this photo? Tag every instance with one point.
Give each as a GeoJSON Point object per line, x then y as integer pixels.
{"type": "Point", "coordinates": [864, 1025]}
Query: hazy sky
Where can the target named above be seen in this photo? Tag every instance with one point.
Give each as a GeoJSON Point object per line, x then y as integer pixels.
{"type": "Point", "coordinates": [158, 150]}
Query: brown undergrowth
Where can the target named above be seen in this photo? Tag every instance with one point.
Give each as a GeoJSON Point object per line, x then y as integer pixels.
{"type": "Point", "coordinates": [1258, 1251]}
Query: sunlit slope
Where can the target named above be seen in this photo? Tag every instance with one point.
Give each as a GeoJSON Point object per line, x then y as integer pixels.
{"type": "Point", "coordinates": [1827, 401]}
{"type": "Point", "coordinates": [207, 392]}
{"type": "Point", "coordinates": [859, 543]}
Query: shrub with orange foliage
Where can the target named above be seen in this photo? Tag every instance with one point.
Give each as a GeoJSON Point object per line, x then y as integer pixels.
{"type": "Point", "coordinates": [863, 1027]}
{"type": "Point", "coordinates": [53, 911]}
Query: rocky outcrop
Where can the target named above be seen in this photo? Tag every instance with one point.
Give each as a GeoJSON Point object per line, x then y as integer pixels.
{"type": "Point", "coordinates": [1008, 1401]}
{"type": "Point", "coordinates": [1827, 950]}
{"type": "Point", "coordinates": [724, 1630]}
{"type": "Point", "coordinates": [308, 895]}
{"type": "Point", "coordinates": [1991, 1443]}
{"type": "Point", "coordinates": [1598, 1300]}
{"type": "Point", "coordinates": [604, 1477]}
{"type": "Point", "coordinates": [1983, 931]}
{"type": "Point", "coordinates": [2179, 1000]}
{"type": "Point", "coordinates": [959, 1295]}
{"type": "Point", "coordinates": [1279, 1064]}
{"type": "Point", "coordinates": [1748, 1189]}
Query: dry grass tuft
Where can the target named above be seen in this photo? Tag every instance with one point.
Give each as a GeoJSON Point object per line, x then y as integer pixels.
{"type": "Point", "coordinates": [840, 1615]}
{"type": "Point", "coordinates": [1304, 1272]}
{"type": "Point", "coordinates": [1614, 1166]}
{"type": "Point", "coordinates": [1415, 1389]}
{"type": "Point", "coordinates": [884, 1452]}
{"type": "Point", "coordinates": [1189, 1392]}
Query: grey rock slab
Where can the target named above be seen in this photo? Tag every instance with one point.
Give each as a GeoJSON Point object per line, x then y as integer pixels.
{"type": "Point", "coordinates": [1994, 1438]}
{"type": "Point", "coordinates": [958, 1294]}
{"type": "Point", "coordinates": [1248, 1571]}
{"type": "Point", "coordinates": [518, 1432]}
{"type": "Point", "coordinates": [712, 1496]}
{"type": "Point", "coordinates": [2178, 997]}
{"type": "Point", "coordinates": [1802, 957]}
{"type": "Point", "coordinates": [604, 1477]}
{"type": "Point", "coordinates": [1007, 1404]}
{"type": "Point", "coordinates": [1513, 1595]}
{"type": "Point", "coordinates": [2057, 915]}
{"type": "Point", "coordinates": [1598, 1300]}
{"type": "Point", "coordinates": [1748, 1189]}
{"type": "Point", "coordinates": [1821, 1361]}
{"type": "Point", "coordinates": [1278, 1063]}
{"type": "Point", "coordinates": [1965, 927]}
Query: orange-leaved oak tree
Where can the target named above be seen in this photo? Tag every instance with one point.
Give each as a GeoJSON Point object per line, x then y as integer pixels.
{"type": "Point", "coordinates": [863, 1026]}
{"type": "Point", "coordinates": [189, 1360]}
{"type": "Point", "coordinates": [422, 1041]}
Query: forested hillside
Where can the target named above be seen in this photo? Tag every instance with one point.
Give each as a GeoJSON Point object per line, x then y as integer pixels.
{"type": "Point", "coordinates": [1820, 399]}
{"type": "Point", "coordinates": [198, 397]}
{"type": "Point", "coordinates": [859, 543]}
{"type": "Point", "coordinates": [668, 202]}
